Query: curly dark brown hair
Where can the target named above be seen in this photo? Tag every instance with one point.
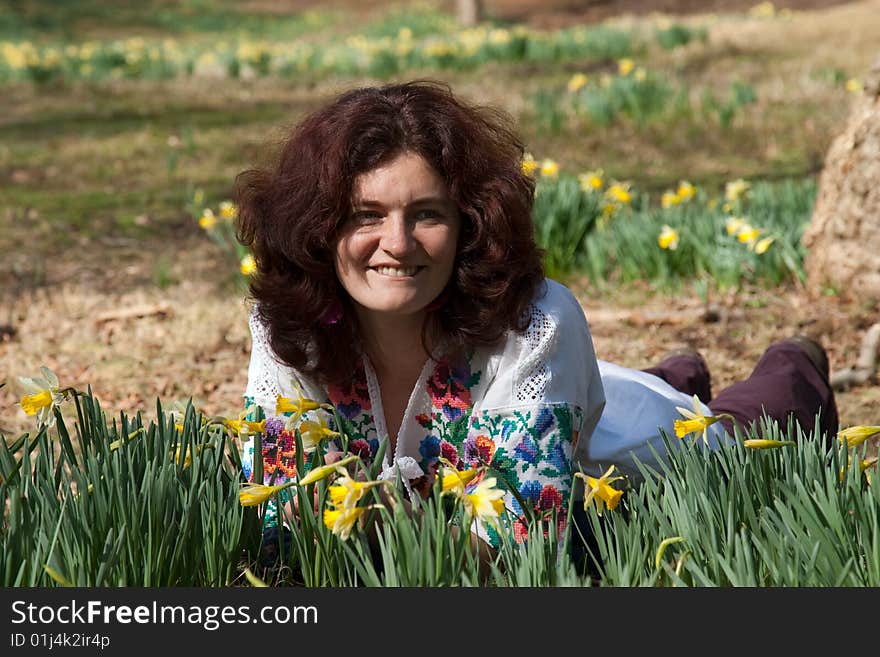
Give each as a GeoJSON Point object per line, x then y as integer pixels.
{"type": "Point", "coordinates": [291, 211]}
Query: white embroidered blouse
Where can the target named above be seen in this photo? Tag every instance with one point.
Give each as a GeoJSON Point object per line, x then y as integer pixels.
{"type": "Point", "coordinates": [530, 408]}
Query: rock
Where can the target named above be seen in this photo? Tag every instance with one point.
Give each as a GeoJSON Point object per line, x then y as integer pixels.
{"type": "Point", "coordinates": [843, 239]}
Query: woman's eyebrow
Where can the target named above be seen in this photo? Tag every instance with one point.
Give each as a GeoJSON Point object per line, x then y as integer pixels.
{"type": "Point", "coordinates": [425, 200]}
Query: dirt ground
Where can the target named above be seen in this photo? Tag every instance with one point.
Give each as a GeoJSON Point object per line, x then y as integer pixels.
{"type": "Point", "coordinates": [559, 13]}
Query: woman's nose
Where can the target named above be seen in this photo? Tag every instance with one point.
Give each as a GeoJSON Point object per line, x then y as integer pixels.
{"type": "Point", "coordinates": [397, 237]}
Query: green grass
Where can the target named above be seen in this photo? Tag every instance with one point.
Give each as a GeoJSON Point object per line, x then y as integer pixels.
{"type": "Point", "coordinates": [60, 19]}
{"type": "Point", "coordinates": [92, 499]}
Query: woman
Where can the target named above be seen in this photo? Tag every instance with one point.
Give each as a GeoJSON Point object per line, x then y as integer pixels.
{"type": "Point", "coordinates": [398, 280]}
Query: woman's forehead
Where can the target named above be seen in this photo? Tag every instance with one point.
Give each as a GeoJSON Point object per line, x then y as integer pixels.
{"type": "Point", "coordinates": [407, 177]}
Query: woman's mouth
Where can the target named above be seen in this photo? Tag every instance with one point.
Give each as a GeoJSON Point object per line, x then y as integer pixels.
{"type": "Point", "coordinates": [397, 272]}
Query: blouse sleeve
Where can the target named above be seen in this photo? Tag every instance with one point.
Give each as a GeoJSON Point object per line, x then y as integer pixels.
{"type": "Point", "coordinates": [544, 400]}
{"type": "Point", "coordinates": [263, 383]}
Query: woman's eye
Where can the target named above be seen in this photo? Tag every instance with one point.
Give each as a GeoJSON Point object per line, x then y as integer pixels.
{"type": "Point", "coordinates": [366, 217]}
{"type": "Point", "coordinates": [429, 215]}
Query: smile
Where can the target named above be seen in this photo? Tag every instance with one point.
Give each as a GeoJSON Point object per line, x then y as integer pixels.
{"type": "Point", "coordinates": [397, 272]}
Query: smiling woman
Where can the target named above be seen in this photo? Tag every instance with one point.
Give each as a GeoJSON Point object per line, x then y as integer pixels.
{"type": "Point", "coordinates": [398, 283]}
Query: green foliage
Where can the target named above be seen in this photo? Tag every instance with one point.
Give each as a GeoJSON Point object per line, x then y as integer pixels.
{"type": "Point", "coordinates": [118, 506]}
{"type": "Point", "coordinates": [641, 97]}
{"type": "Point", "coordinates": [724, 110]}
{"type": "Point", "coordinates": [793, 516]}
{"type": "Point", "coordinates": [408, 41]}
{"type": "Point", "coordinates": [678, 35]}
{"type": "Point", "coordinates": [220, 228]}
{"type": "Point", "coordinates": [565, 216]}
{"type": "Point", "coordinates": [570, 227]}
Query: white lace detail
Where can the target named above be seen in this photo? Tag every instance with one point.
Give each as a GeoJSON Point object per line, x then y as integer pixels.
{"type": "Point", "coordinates": [532, 373]}
{"type": "Point", "coordinates": [263, 385]}
{"type": "Point", "coordinates": [407, 467]}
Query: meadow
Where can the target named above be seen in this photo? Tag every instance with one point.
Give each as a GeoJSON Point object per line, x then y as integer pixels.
{"type": "Point", "coordinates": [677, 159]}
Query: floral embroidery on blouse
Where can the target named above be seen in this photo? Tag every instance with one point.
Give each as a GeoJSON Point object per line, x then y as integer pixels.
{"type": "Point", "coordinates": [450, 386]}
{"type": "Point", "coordinates": [353, 404]}
{"type": "Point", "coordinates": [529, 445]}
{"type": "Point", "coordinates": [449, 389]}
{"type": "Point", "coordinates": [531, 449]}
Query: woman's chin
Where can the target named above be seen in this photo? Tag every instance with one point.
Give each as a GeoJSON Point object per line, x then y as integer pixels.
{"type": "Point", "coordinates": [397, 308]}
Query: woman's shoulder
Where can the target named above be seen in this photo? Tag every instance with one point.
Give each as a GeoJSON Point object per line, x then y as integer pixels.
{"type": "Point", "coordinates": [553, 359]}
{"type": "Point", "coordinates": [557, 302]}
{"type": "Point", "coordinates": [268, 376]}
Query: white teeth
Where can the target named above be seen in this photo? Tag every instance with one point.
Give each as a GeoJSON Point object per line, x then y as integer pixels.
{"type": "Point", "coordinates": [398, 272]}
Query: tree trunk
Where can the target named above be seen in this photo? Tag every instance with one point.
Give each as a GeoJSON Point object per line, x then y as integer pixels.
{"type": "Point", "coordinates": [470, 12]}
{"type": "Point", "coordinates": [843, 239]}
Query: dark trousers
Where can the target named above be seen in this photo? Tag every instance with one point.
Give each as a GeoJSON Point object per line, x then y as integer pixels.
{"type": "Point", "coordinates": [785, 384]}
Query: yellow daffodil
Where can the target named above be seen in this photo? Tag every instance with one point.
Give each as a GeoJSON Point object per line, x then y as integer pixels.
{"type": "Point", "coordinates": [577, 82]}
{"type": "Point", "coordinates": [625, 66]}
{"type": "Point", "coordinates": [324, 471]}
{"type": "Point", "coordinates": [207, 220]}
{"type": "Point", "coordinates": [248, 265]}
{"type": "Point", "coordinates": [857, 435]}
{"type": "Point", "coordinates": [736, 189]}
{"type": "Point", "coordinates": [685, 190]}
{"type": "Point", "coordinates": [32, 404]}
{"type": "Point", "coordinates": [696, 421]}
{"type": "Point", "coordinates": [346, 492]}
{"type": "Point", "coordinates": [760, 443]}
{"type": "Point", "coordinates": [760, 247]}
{"type": "Point", "coordinates": [733, 224]}
{"type": "Point", "coordinates": [619, 193]}
{"type": "Point", "coordinates": [313, 433]}
{"type": "Point", "coordinates": [228, 210]}
{"type": "Point", "coordinates": [485, 503]}
{"type": "Point", "coordinates": [300, 405]}
{"type": "Point", "coordinates": [529, 165]}
{"type": "Point", "coordinates": [853, 85]}
{"type": "Point", "coordinates": [455, 480]}
{"type": "Point", "coordinates": [668, 238]}
{"type": "Point", "coordinates": [44, 395]}
{"type": "Point", "coordinates": [342, 521]}
{"type": "Point", "coordinates": [669, 199]}
{"type": "Point", "coordinates": [549, 168]}
{"type": "Point", "coordinates": [591, 180]}
{"type": "Point", "coordinates": [246, 427]}
{"type": "Point", "coordinates": [601, 491]}
{"type": "Point", "coordinates": [748, 234]}
{"type": "Point", "coordinates": [256, 494]}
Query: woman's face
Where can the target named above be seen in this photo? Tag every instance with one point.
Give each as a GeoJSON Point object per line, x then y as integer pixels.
{"type": "Point", "coordinates": [396, 252]}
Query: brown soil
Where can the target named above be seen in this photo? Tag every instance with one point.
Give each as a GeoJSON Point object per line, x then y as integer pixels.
{"type": "Point", "coordinates": [559, 13]}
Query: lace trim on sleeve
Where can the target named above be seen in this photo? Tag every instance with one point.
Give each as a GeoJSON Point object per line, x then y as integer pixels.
{"type": "Point", "coordinates": [263, 384]}
{"type": "Point", "coordinates": [532, 373]}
